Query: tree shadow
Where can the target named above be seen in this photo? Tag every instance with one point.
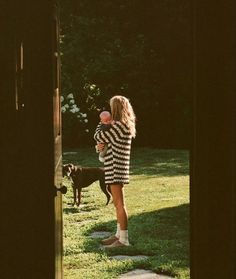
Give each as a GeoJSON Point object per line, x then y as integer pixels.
{"type": "Point", "coordinates": [162, 234]}
{"type": "Point", "coordinates": [85, 207]}
{"type": "Point", "coordinates": [160, 163]}
{"type": "Point", "coordinates": [144, 161]}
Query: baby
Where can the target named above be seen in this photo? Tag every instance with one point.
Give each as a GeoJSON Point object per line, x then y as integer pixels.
{"type": "Point", "coordinates": [105, 118]}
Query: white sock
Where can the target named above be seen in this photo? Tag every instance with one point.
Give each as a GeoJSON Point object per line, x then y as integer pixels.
{"type": "Point", "coordinates": [118, 231]}
{"type": "Point", "coordinates": [124, 237]}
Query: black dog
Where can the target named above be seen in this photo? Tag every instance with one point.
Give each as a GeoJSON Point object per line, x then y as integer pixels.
{"type": "Point", "coordinates": [83, 177]}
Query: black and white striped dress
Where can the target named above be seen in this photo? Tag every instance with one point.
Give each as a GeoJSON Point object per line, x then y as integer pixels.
{"type": "Point", "coordinates": [117, 158]}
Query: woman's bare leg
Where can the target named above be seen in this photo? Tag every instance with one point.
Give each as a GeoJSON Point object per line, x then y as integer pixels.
{"type": "Point", "coordinates": [118, 200]}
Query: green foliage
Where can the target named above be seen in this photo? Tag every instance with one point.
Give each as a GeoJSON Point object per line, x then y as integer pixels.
{"type": "Point", "coordinates": [157, 200]}
{"type": "Point", "coordinates": [140, 50]}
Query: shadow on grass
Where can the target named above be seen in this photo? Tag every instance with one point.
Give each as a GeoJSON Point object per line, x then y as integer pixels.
{"type": "Point", "coordinates": [71, 210]}
{"type": "Point", "coordinates": [86, 157]}
{"type": "Point", "coordinates": [162, 234]}
{"type": "Point", "coordinates": [160, 162]}
{"type": "Point", "coordinates": [86, 207]}
{"type": "Point", "coordinates": [144, 161]}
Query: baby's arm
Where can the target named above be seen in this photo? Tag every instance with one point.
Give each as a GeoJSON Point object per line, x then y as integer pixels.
{"type": "Point", "coordinates": [96, 148]}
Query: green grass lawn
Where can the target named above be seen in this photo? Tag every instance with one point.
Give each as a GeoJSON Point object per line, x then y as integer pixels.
{"type": "Point", "coordinates": [157, 200]}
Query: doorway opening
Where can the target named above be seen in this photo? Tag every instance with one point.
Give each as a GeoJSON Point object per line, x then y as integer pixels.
{"type": "Point", "coordinates": [144, 53]}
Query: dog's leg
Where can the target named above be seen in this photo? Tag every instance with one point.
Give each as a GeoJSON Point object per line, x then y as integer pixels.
{"type": "Point", "coordinates": [79, 196]}
{"type": "Point", "coordinates": [74, 193]}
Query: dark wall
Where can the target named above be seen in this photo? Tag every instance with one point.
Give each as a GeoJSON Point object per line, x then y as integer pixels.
{"type": "Point", "coordinates": [213, 176]}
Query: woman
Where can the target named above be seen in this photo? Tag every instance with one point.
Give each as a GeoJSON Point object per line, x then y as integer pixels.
{"type": "Point", "coordinates": [116, 162]}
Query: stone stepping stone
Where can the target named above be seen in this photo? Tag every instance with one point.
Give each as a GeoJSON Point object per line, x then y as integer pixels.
{"type": "Point", "coordinates": [80, 206]}
{"type": "Point", "coordinates": [83, 223]}
{"type": "Point", "coordinates": [100, 234]}
{"type": "Point", "coordinates": [143, 274]}
{"type": "Point", "coordinates": [127, 257]}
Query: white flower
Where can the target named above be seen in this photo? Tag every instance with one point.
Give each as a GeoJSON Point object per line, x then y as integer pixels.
{"type": "Point", "coordinates": [62, 98]}
{"type": "Point", "coordinates": [84, 114]}
{"type": "Point", "coordinates": [63, 109]}
{"type": "Point", "coordinates": [70, 96]}
{"type": "Point", "coordinates": [66, 106]}
{"type": "Point", "coordinates": [87, 130]}
{"type": "Point", "coordinates": [86, 120]}
{"type": "Point", "coordinates": [72, 101]}
{"type": "Point", "coordinates": [76, 109]}
{"type": "Point", "coordinates": [72, 110]}
{"type": "Point", "coordinates": [92, 86]}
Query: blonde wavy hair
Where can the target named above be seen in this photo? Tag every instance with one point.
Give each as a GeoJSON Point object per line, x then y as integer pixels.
{"type": "Point", "coordinates": [122, 111]}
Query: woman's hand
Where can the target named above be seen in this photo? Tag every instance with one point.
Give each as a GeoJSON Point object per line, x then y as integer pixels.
{"type": "Point", "coordinates": [100, 146]}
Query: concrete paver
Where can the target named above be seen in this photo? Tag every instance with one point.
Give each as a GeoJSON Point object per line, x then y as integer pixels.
{"type": "Point", "coordinates": [134, 274]}
{"type": "Point", "coordinates": [100, 234]}
{"type": "Point", "coordinates": [143, 274]}
{"type": "Point", "coordinates": [127, 257]}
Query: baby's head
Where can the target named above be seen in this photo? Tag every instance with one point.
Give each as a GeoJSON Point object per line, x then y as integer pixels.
{"type": "Point", "coordinates": [105, 117]}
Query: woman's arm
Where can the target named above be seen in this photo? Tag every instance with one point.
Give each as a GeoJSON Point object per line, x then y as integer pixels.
{"type": "Point", "coordinates": [116, 133]}
{"type": "Point", "coordinates": [100, 135]}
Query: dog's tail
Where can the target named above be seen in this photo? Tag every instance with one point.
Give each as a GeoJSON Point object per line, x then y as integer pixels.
{"type": "Point", "coordinates": [108, 193]}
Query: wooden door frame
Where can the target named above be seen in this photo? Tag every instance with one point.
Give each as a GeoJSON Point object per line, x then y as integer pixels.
{"type": "Point", "coordinates": [27, 148]}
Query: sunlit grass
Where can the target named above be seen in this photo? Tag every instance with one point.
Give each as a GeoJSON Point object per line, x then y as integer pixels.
{"type": "Point", "coordinates": [157, 201]}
